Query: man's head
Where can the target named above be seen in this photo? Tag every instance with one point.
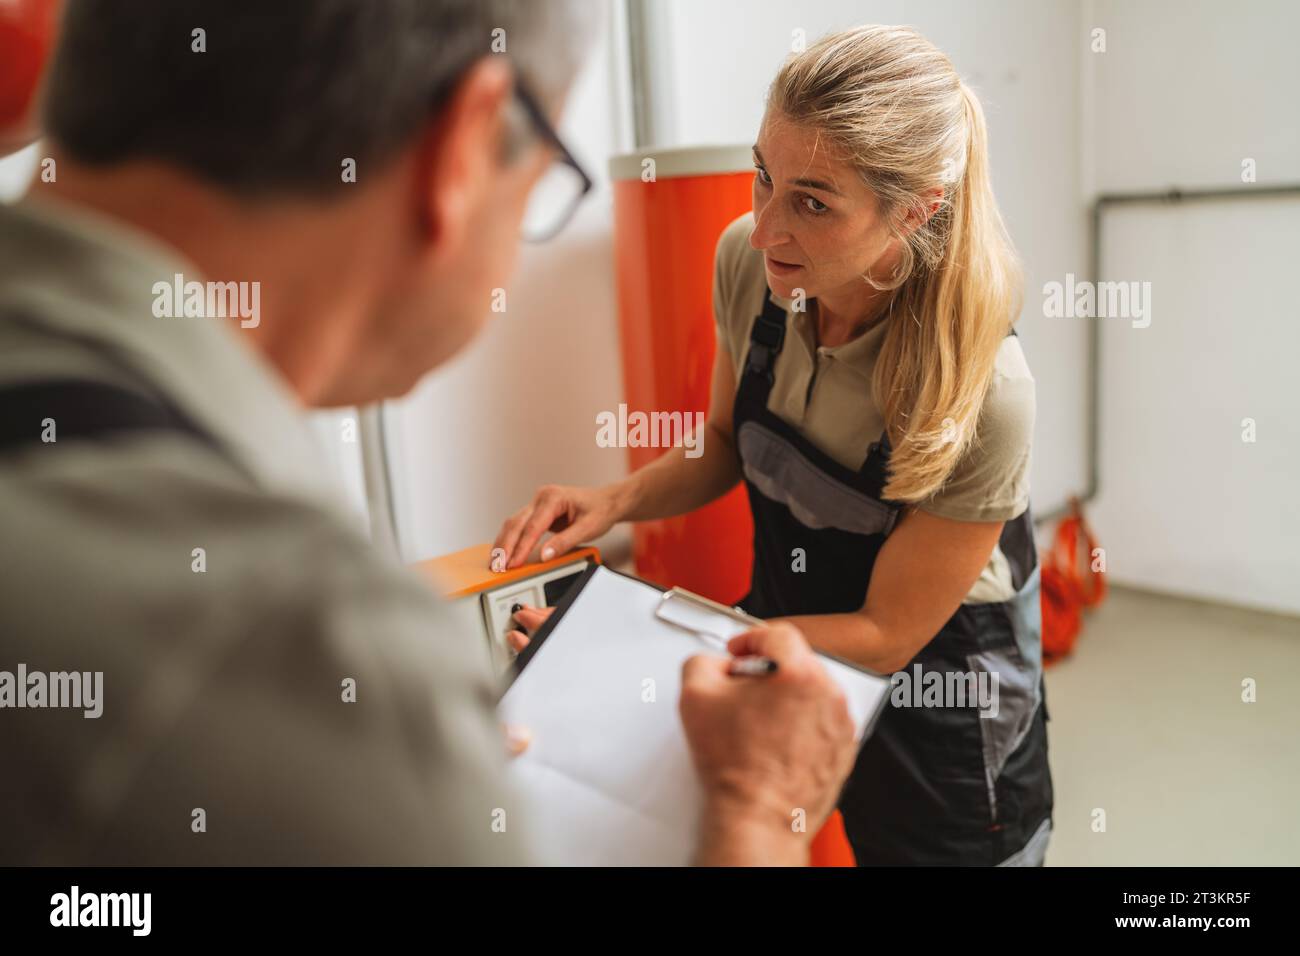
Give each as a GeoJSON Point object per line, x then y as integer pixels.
{"type": "Point", "coordinates": [232, 129]}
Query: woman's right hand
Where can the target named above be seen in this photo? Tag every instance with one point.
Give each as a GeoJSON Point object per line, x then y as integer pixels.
{"type": "Point", "coordinates": [574, 515]}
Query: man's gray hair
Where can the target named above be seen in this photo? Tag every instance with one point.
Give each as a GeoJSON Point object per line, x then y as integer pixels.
{"type": "Point", "coordinates": [273, 95]}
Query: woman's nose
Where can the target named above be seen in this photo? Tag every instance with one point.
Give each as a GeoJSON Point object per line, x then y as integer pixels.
{"type": "Point", "coordinates": [768, 230]}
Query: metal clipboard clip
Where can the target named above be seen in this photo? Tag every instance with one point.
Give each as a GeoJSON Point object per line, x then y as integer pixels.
{"type": "Point", "coordinates": [701, 616]}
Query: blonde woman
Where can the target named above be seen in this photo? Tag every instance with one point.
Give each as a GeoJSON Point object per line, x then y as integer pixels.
{"type": "Point", "coordinates": [870, 392]}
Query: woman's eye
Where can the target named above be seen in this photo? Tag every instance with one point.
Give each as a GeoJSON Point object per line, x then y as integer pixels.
{"type": "Point", "coordinates": [814, 205]}
{"type": "Point", "coordinates": [762, 176]}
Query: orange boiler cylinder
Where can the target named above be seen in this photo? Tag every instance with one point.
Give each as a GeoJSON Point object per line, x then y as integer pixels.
{"type": "Point", "coordinates": [670, 206]}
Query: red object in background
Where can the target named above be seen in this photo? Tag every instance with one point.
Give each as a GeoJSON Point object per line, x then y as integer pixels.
{"type": "Point", "coordinates": [665, 232]}
{"type": "Point", "coordinates": [1067, 586]}
{"type": "Point", "coordinates": [830, 847]}
{"type": "Point", "coordinates": [26, 36]}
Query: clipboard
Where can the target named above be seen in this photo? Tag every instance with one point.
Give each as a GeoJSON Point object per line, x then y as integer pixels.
{"type": "Point", "coordinates": [674, 595]}
{"type": "Point", "coordinates": [672, 598]}
{"type": "Point", "coordinates": [608, 778]}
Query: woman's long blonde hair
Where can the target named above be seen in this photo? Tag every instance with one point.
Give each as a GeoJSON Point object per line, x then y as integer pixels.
{"type": "Point", "coordinates": [896, 107]}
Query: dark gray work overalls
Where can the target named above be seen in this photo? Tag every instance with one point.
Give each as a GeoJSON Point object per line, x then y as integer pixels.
{"type": "Point", "coordinates": [932, 785]}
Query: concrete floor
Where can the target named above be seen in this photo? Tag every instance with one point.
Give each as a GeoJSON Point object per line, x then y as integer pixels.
{"type": "Point", "coordinates": [1148, 724]}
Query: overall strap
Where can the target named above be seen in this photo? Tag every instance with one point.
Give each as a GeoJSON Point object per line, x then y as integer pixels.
{"type": "Point", "coordinates": [765, 340]}
{"type": "Point", "coordinates": [875, 468]}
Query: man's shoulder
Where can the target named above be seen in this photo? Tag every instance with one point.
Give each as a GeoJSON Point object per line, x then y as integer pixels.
{"type": "Point", "coordinates": [259, 659]}
{"type": "Point", "coordinates": [161, 519]}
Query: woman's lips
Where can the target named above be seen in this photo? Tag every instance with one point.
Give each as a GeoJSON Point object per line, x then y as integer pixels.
{"type": "Point", "coordinates": [781, 268]}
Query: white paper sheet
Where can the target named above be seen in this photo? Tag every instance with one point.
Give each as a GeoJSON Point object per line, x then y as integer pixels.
{"type": "Point", "coordinates": [607, 779]}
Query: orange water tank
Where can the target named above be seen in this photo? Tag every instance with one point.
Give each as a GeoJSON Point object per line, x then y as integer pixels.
{"type": "Point", "coordinates": [670, 206]}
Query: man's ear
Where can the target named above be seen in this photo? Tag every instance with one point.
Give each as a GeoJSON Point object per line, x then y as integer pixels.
{"type": "Point", "coordinates": [461, 150]}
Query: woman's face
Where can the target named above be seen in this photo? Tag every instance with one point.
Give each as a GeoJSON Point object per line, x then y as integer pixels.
{"type": "Point", "coordinates": [815, 221]}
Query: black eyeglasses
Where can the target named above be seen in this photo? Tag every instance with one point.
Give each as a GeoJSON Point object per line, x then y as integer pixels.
{"type": "Point", "coordinates": [563, 186]}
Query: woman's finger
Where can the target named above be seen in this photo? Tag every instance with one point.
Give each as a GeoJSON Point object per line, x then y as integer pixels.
{"type": "Point", "coordinates": [517, 640]}
{"type": "Point", "coordinates": [504, 545]}
{"type": "Point", "coordinates": [517, 738]}
{"type": "Point", "coordinates": [545, 511]}
{"type": "Point", "coordinates": [565, 541]}
{"type": "Point", "coordinates": [531, 618]}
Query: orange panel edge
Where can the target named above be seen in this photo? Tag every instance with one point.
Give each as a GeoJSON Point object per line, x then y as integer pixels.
{"type": "Point", "coordinates": [466, 572]}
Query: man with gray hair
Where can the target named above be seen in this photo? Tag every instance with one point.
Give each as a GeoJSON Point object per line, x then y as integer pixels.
{"type": "Point", "coordinates": [364, 167]}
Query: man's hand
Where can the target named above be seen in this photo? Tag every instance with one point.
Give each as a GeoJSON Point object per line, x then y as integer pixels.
{"type": "Point", "coordinates": [772, 752]}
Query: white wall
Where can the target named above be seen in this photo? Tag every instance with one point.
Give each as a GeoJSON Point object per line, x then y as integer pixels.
{"type": "Point", "coordinates": [1184, 92]}
{"type": "Point", "coordinates": [1187, 506]}
{"type": "Point", "coordinates": [518, 408]}
{"type": "Point", "coordinates": [16, 171]}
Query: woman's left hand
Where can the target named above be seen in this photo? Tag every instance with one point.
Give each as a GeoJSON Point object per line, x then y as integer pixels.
{"type": "Point", "coordinates": [530, 618]}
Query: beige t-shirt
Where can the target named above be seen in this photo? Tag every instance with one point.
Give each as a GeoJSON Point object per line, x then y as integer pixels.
{"type": "Point", "coordinates": [839, 415]}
